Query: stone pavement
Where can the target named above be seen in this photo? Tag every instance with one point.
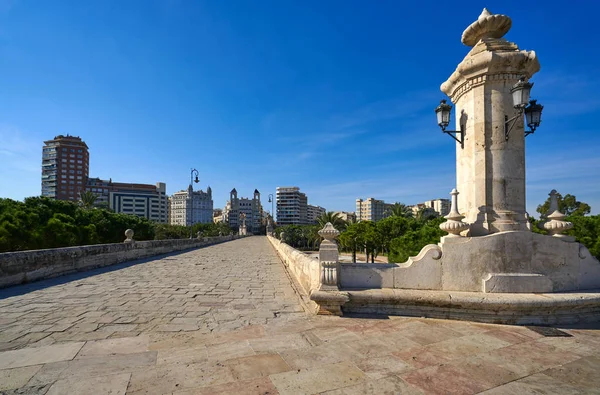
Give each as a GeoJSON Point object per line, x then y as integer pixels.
{"type": "Point", "coordinates": [226, 320]}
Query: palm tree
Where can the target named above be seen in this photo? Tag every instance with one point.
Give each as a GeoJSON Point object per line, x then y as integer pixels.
{"type": "Point", "coordinates": [332, 217]}
{"type": "Point", "coordinates": [400, 210]}
{"type": "Point", "coordinates": [87, 199]}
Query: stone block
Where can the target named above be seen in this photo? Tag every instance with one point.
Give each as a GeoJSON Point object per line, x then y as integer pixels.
{"type": "Point", "coordinates": [516, 283]}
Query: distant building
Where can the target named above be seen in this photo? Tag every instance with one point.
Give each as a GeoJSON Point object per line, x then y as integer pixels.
{"type": "Point", "coordinates": [292, 206]}
{"type": "Point", "coordinates": [188, 207]}
{"type": "Point", "coordinates": [440, 206]}
{"type": "Point", "coordinates": [372, 209]}
{"type": "Point", "coordinates": [217, 215]}
{"type": "Point", "coordinates": [346, 216]}
{"type": "Point", "coordinates": [65, 167]}
{"type": "Point", "coordinates": [314, 212]}
{"type": "Point", "coordinates": [252, 208]}
{"type": "Point", "coordinates": [144, 200]}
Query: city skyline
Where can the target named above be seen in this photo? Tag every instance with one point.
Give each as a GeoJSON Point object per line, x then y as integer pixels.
{"type": "Point", "coordinates": [336, 100]}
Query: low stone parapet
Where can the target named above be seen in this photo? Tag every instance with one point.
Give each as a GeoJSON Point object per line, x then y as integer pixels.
{"type": "Point", "coordinates": [304, 269]}
{"type": "Point", "coordinates": [26, 266]}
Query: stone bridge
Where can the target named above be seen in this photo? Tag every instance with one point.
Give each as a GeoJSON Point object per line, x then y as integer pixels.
{"type": "Point", "coordinates": [227, 319]}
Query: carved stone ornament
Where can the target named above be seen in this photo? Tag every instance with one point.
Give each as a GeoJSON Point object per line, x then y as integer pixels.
{"type": "Point", "coordinates": [486, 26]}
{"type": "Point", "coordinates": [328, 232]}
{"type": "Point", "coordinates": [329, 273]}
{"type": "Point", "coordinates": [129, 236]}
{"type": "Point", "coordinates": [454, 225]}
{"type": "Point", "coordinates": [555, 224]}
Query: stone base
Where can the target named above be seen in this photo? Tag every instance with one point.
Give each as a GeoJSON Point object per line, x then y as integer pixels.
{"type": "Point", "coordinates": [519, 309]}
{"type": "Point", "coordinates": [330, 302]}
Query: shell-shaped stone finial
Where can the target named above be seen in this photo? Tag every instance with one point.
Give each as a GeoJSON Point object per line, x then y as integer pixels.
{"type": "Point", "coordinates": [329, 232]}
{"type": "Point", "coordinates": [487, 25]}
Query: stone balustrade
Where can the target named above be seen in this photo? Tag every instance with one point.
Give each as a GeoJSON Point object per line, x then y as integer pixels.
{"type": "Point", "coordinates": [26, 266]}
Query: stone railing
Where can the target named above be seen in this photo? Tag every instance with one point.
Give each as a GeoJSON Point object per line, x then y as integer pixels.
{"type": "Point", "coordinates": [26, 266]}
{"type": "Point", "coordinates": [303, 268]}
{"type": "Point", "coordinates": [320, 278]}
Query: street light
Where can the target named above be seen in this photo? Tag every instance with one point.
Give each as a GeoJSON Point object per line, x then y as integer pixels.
{"type": "Point", "coordinates": [443, 118]}
{"type": "Point", "coordinates": [533, 112]}
{"type": "Point", "coordinates": [192, 181]}
{"type": "Point", "coordinates": [520, 94]}
{"type": "Point", "coordinates": [272, 200]}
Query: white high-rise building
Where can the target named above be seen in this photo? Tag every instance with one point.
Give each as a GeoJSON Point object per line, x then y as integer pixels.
{"type": "Point", "coordinates": [291, 206]}
{"type": "Point", "coordinates": [190, 207]}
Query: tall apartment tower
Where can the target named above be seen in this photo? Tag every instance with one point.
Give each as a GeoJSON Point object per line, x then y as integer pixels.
{"type": "Point", "coordinates": [65, 167]}
{"type": "Point", "coordinates": [291, 206]}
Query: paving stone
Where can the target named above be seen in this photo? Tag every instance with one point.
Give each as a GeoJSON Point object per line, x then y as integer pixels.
{"type": "Point", "coordinates": [314, 380]}
{"type": "Point", "coordinates": [17, 377]}
{"type": "Point", "coordinates": [256, 366]}
{"type": "Point", "coordinates": [126, 345]}
{"type": "Point", "coordinates": [39, 355]}
{"type": "Point", "coordinates": [391, 385]}
{"type": "Point", "coordinates": [115, 384]}
{"type": "Point", "coordinates": [534, 385]}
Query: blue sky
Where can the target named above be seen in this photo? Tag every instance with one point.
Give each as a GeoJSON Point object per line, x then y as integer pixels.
{"type": "Point", "coordinates": [335, 97]}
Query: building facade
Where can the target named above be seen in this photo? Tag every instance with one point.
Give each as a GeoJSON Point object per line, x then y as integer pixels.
{"type": "Point", "coordinates": [189, 207]}
{"type": "Point", "coordinates": [372, 209]}
{"type": "Point", "coordinates": [440, 206]}
{"type": "Point", "coordinates": [251, 208]}
{"type": "Point", "coordinates": [144, 200]}
{"type": "Point", "coordinates": [314, 212]}
{"type": "Point", "coordinates": [292, 206]}
{"type": "Point", "coordinates": [346, 216]}
{"type": "Point", "coordinates": [65, 167]}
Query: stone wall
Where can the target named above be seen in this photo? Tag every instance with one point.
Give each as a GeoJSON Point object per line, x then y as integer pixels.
{"type": "Point", "coordinates": [304, 269]}
{"type": "Point", "coordinates": [26, 266]}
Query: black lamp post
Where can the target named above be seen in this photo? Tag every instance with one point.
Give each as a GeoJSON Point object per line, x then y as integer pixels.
{"type": "Point", "coordinates": [271, 200]}
{"type": "Point", "coordinates": [192, 181]}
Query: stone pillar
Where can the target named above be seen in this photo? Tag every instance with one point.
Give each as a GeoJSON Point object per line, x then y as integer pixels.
{"type": "Point", "coordinates": [490, 171]}
{"type": "Point", "coordinates": [328, 296]}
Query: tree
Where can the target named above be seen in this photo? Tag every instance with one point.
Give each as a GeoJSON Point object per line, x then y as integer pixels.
{"type": "Point", "coordinates": [332, 217]}
{"type": "Point", "coordinates": [568, 205]}
{"type": "Point", "coordinates": [400, 210]}
{"type": "Point", "coordinates": [87, 199]}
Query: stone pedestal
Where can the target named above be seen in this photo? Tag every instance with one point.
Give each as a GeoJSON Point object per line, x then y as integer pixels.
{"type": "Point", "coordinates": [490, 170]}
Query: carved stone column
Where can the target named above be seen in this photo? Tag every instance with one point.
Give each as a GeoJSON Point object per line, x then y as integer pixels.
{"type": "Point", "coordinates": [490, 170]}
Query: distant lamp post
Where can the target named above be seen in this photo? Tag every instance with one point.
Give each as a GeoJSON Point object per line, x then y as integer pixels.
{"type": "Point", "coordinates": [272, 201]}
{"type": "Point", "coordinates": [192, 181]}
{"type": "Point", "coordinates": [443, 118]}
{"type": "Point", "coordinates": [521, 92]}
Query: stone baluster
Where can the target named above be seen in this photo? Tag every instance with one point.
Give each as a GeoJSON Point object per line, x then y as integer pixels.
{"type": "Point", "coordinates": [454, 225]}
{"type": "Point", "coordinates": [555, 223]}
{"type": "Point", "coordinates": [129, 236]}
